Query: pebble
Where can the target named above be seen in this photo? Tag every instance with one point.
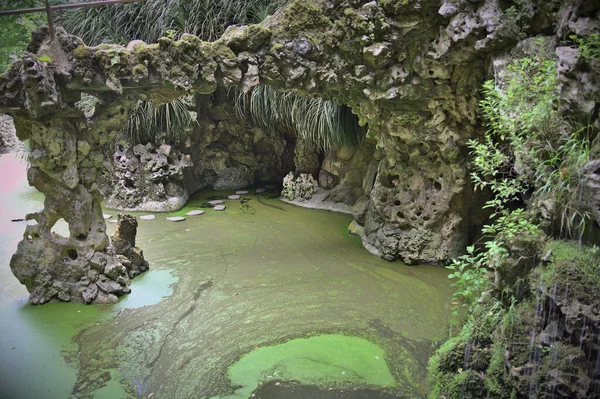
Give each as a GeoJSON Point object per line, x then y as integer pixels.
{"type": "Point", "coordinates": [219, 207]}
{"type": "Point", "coordinates": [216, 202]}
{"type": "Point", "coordinates": [194, 213]}
{"type": "Point", "coordinates": [106, 216]}
{"type": "Point", "coordinates": [234, 197]}
{"type": "Point", "coordinates": [240, 192]}
{"type": "Point", "coordinates": [148, 217]}
{"type": "Point", "coordinates": [176, 219]}
{"type": "Point", "coordinates": [260, 190]}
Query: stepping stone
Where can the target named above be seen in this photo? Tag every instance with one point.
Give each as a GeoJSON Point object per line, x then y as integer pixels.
{"type": "Point", "coordinates": [260, 190]}
{"type": "Point", "coordinates": [234, 197]}
{"type": "Point", "coordinates": [176, 219]}
{"type": "Point", "coordinates": [219, 207]}
{"type": "Point", "coordinates": [147, 217]}
{"type": "Point", "coordinates": [194, 213]}
{"type": "Point", "coordinates": [216, 202]}
{"type": "Point", "coordinates": [271, 186]}
{"type": "Point", "coordinates": [112, 221]}
{"type": "Point", "coordinates": [106, 216]}
{"type": "Point", "coordinates": [240, 192]}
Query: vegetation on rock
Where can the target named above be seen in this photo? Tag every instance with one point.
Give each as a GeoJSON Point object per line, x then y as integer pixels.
{"type": "Point", "coordinates": [524, 335]}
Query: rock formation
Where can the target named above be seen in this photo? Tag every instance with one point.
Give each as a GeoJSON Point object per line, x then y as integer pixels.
{"type": "Point", "coordinates": [145, 177]}
{"type": "Point", "coordinates": [123, 241]}
{"type": "Point", "coordinates": [410, 70]}
{"type": "Point", "coordinates": [545, 346]}
{"type": "Point", "coordinates": [301, 188]}
{"type": "Point", "coordinates": [8, 138]}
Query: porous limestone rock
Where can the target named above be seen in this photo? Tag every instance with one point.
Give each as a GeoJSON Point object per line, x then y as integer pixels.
{"type": "Point", "coordinates": [123, 241]}
{"type": "Point", "coordinates": [299, 188]}
{"type": "Point", "coordinates": [145, 177]}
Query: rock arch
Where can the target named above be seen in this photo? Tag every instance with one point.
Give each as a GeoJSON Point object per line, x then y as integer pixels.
{"type": "Point", "coordinates": [413, 83]}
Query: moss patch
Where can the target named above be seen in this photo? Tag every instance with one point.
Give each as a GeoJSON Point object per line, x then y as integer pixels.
{"type": "Point", "coordinates": [326, 360]}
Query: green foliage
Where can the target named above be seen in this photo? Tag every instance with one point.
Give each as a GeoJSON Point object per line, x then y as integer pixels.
{"type": "Point", "coordinates": [124, 22]}
{"type": "Point", "coordinates": [150, 123]}
{"type": "Point", "coordinates": [322, 122]}
{"type": "Point", "coordinates": [470, 274]}
{"type": "Point", "coordinates": [589, 48]}
{"type": "Point", "coordinates": [459, 370]}
{"type": "Point", "coordinates": [529, 147]}
{"type": "Point", "coordinates": [15, 30]}
{"type": "Point", "coordinates": [586, 259]}
{"type": "Point", "coordinates": [519, 113]}
{"type": "Point", "coordinates": [559, 175]}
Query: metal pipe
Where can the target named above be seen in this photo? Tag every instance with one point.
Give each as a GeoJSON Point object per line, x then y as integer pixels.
{"type": "Point", "coordinates": [50, 21]}
{"type": "Point", "coordinates": [68, 6]}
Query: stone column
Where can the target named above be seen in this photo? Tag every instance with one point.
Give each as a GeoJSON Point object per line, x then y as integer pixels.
{"type": "Point", "coordinates": [81, 267]}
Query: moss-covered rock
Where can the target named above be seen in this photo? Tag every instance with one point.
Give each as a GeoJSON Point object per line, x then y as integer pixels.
{"type": "Point", "coordinates": [545, 345]}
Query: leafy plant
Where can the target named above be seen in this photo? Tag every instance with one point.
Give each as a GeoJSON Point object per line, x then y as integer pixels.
{"type": "Point", "coordinates": [519, 112]}
{"type": "Point", "coordinates": [470, 273]}
{"type": "Point", "coordinates": [589, 48]}
{"type": "Point", "coordinates": [559, 177]}
{"type": "Point", "coordinates": [15, 30]}
{"type": "Point", "coordinates": [319, 121]}
{"type": "Point", "coordinates": [150, 123]}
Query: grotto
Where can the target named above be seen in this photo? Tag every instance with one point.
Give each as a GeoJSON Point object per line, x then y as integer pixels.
{"type": "Point", "coordinates": [411, 79]}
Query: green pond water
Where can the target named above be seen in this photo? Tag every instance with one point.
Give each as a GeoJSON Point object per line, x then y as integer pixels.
{"type": "Point", "coordinates": [262, 298]}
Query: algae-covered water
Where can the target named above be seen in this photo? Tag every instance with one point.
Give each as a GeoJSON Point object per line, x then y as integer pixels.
{"type": "Point", "coordinates": [262, 299]}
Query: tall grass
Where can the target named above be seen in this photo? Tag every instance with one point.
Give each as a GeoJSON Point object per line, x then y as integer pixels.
{"type": "Point", "coordinates": [152, 19]}
{"type": "Point", "coordinates": [322, 122]}
{"type": "Point", "coordinates": [150, 123]}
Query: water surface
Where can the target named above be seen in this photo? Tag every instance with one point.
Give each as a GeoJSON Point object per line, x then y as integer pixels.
{"type": "Point", "coordinates": [229, 290]}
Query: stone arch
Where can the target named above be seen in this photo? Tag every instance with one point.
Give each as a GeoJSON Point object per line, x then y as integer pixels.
{"type": "Point", "coordinates": [414, 87]}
